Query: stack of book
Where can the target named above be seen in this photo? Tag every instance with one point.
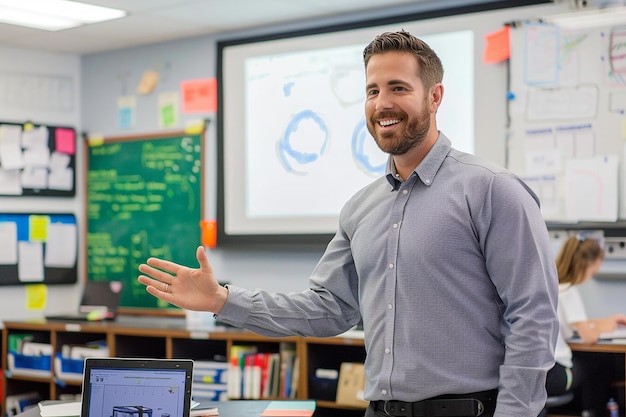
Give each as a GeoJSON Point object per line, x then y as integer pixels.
{"type": "Point", "coordinates": [210, 381]}
{"type": "Point", "coordinates": [255, 375]}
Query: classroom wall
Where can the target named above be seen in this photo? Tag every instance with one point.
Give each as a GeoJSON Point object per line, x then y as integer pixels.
{"type": "Point", "coordinates": [24, 68]}
{"type": "Point", "coordinates": [107, 76]}
{"type": "Point", "coordinates": [104, 77]}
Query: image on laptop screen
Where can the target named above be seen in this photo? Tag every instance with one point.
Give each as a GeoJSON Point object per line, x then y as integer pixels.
{"type": "Point", "coordinates": [119, 387]}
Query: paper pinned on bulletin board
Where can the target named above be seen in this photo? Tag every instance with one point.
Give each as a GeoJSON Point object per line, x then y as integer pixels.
{"type": "Point", "coordinates": [168, 109]}
{"type": "Point", "coordinates": [148, 82]}
{"type": "Point", "coordinates": [126, 110]}
{"type": "Point", "coordinates": [591, 188]}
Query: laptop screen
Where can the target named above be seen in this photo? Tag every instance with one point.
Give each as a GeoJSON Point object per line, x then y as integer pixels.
{"type": "Point", "coordinates": [99, 295]}
{"type": "Point", "coordinates": [120, 387]}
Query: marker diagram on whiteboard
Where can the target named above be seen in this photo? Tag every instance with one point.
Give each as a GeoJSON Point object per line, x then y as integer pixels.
{"type": "Point", "coordinates": [567, 104]}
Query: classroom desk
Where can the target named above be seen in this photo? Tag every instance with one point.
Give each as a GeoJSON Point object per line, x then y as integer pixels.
{"type": "Point", "coordinates": [617, 347]}
{"type": "Point", "coordinates": [244, 408]}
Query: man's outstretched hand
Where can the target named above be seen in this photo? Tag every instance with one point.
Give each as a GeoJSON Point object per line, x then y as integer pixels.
{"type": "Point", "coordinates": [188, 288]}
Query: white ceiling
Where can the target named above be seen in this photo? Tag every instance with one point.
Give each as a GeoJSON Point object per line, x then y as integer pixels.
{"type": "Point", "coordinates": [151, 21]}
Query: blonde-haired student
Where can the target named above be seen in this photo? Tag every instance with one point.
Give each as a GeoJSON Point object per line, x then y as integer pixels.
{"type": "Point", "coordinates": [578, 260]}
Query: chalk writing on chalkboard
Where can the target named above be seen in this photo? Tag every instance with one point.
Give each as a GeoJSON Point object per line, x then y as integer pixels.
{"type": "Point", "coordinates": [144, 198]}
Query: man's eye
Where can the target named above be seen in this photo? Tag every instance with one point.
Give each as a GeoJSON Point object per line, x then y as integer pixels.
{"type": "Point", "coordinates": [372, 92]}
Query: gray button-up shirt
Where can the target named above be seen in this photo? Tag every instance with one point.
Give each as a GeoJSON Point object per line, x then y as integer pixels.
{"type": "Point", "coordinates": [453, 275]}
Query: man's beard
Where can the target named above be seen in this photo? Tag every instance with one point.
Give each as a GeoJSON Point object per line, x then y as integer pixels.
{"type": "Point", "coordinates": [410, 137]}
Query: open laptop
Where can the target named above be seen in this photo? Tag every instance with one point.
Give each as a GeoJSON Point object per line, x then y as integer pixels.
{"type": "Point", "coordinates": [99, 301]}
{"type": "Point", "coordinates": [127, 387]}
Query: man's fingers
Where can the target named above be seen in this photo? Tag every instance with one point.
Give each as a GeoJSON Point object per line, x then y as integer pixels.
{"type": "Point", "coordinates": [162, 264]}
{"type": "Point", "coordinates": [203, 260]}
{"type": "Point", "coordinates": [155, 291]}
{"type": "Point", "coordinates": [155, 272]}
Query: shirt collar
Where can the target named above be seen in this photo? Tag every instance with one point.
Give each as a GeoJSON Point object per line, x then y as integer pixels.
{"type": "Point", "coordinates": [427, 169]}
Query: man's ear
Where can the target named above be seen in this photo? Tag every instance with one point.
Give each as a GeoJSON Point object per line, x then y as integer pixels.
{"type": "Point", "coordinates": [435, 96]}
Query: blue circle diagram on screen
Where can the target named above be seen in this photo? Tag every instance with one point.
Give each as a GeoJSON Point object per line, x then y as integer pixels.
{"type": "Point", "coordinates": [365, 152]}
{"type": "Point", "coordinates": [304, 142]}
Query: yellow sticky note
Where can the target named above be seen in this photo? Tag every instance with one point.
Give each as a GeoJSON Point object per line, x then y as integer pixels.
{"type": "Point", "coordinates": [28, 126]}
{"type": "Point", "coordinates": [95, 139]}
{"type": "Point", "coordinates": [194, 127]}
{"type": "Point", "coordinates": [38, 228]}
{"type": "Point", "coordinates": [624, 128]}
{"type": "Point", "coordinates": [36, 295]}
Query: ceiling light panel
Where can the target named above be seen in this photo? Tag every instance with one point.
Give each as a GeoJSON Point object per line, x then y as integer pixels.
{"type": "Point", "coordinates": [54, 14]}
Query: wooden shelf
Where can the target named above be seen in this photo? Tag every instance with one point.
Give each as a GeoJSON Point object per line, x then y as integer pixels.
{"type": "Point", "coordinates": [167, 337]}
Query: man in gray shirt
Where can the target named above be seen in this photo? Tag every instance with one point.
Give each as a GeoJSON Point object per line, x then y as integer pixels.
{"type": "Point", "coordinates": [446, 260]}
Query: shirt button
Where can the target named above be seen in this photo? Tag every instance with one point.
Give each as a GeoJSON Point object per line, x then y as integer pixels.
{"type": "Point", "coordinates": [389, 306]}
{"type": "Point", "coordinates": [395, 225]}
{"type": "Point", "coordinates": [390, 266]}
{"type": "Point", "coordinates": [405, 192]}
{"type": "Point", "coordinates": [427, 182]}
{"type": "Point", "coordinates": [387, 351]}
{"type": "Point", "coordinates": [384, 392]}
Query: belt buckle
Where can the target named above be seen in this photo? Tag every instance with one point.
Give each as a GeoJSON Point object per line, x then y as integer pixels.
{"type": "Point", "coordinates": [394, 408]}
{"type": "Point", "coordinates": [481, 408]}
{"type": "Point", "coordinates": [385, 404]}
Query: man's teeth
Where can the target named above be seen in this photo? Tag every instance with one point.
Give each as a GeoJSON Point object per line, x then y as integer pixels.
{"type": "Point", "coordinates": [389, 122]}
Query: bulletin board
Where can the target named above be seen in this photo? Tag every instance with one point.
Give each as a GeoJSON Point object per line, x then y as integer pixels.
{"type": "Point", "coordinates": [144, 198]}
{"type": "Point", "coordinates": [567, 126]}
{"type": "Point", "coordinates": [38, 248]}
{"type": "Point", "coordinates": [37, 160]}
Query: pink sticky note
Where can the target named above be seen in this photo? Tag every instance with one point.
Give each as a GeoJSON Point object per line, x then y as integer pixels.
{"type": "Point", "coordinates": [65, 140]}
{"type": "Point", "coordinates": [199, 96]}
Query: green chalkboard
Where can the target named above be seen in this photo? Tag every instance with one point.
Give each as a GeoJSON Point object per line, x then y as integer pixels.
{"type": "Point", "coordinates": [144, 198]}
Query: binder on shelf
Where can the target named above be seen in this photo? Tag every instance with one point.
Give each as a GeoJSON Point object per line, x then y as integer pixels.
{"type": "Point", "coordinates": [25, 365]}
{"type": "Point", "coordinates": [79, 352]}
{"type": "Point", "coordinates": [210, 372]}
{"type": "Point", "coordinates": [210, 381]}
{"type": "Point", "coordinates": [209, 392]}
{"type": "Point", "coordinates": [271, 387]}
{"type": "Point", "coordinates": [36, 349]}
{"type": "Point", "coordinates": [351, 385]}
{"type": "Point", "coordinates": [287, 357]}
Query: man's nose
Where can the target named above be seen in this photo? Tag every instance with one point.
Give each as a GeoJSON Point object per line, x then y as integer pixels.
{"type": "Point", "coordinates": [383, 101]}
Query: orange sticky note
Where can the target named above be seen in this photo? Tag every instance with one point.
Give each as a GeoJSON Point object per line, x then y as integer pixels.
{"type": "Point", "coordinates": [209, 233]}
{"type": "Point", "coordinates": [199, 96]}
{"type": "Point", "coordinates": [497, 46]}
{"type": "Point", "coordinates": [148, 82]}
{"type": "Point", "coordinates": [65, 140]}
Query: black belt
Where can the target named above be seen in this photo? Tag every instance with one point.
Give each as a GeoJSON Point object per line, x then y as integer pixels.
{"type": "Point", "coordinates": [461, 405]}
